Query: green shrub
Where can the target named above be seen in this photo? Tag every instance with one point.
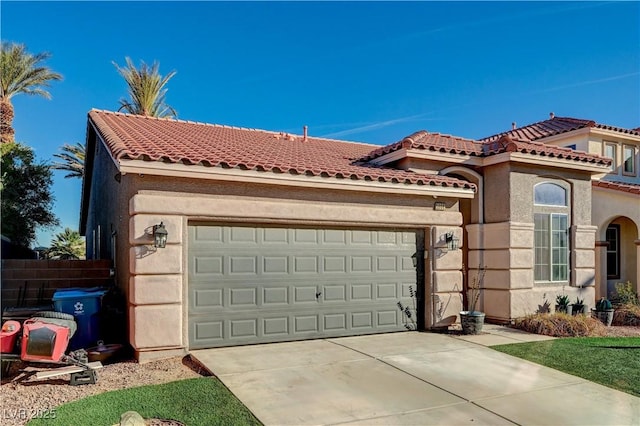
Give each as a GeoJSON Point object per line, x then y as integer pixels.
{"type": "Point", "coordinates": [562, 300]}
{"type": "Point", "coordinates": [626, 294]}
{"type": "Point", "coordinates": [561, 325]}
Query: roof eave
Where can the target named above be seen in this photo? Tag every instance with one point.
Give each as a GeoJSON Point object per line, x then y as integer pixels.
{"type": "Point", "coordinates": [614, 134]}
{"type": "Point", "coordinates": [286, 179]}
{"type": "Point", "coordinates": [547, 161]}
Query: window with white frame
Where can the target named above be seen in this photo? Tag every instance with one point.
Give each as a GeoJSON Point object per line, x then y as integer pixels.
{"type": "Point", "coordinates": [551, 233]}
{"type": "Point", "coordinates": [629, 160]}
{"type": "Point", "coordinates": [609, 151]}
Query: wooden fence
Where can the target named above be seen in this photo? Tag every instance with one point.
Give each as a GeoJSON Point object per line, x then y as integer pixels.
{"type": "Point", "coordinates": [28, 283]}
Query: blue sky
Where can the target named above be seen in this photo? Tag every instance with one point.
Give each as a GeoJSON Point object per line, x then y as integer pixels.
{"type": "Point", "coordinates": [363, 71]}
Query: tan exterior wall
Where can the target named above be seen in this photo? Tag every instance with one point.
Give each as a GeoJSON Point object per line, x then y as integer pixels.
{"type": "Point", "coordinates": [158, 281]}
{"type": "Point", "coordinates": [619, 207]}
{"type": "Point", "coordinates": [504, 245]}
{"type": "Point", "coordinates": [446, 274]}
{"type": "Point", "coordinates": [610, 206]}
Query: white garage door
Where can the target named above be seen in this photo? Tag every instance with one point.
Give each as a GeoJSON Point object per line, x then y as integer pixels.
{"type": "Point", "coordinates": [252, 284]}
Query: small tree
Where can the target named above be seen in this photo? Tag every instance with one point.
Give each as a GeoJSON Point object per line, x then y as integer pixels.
{"type": "Point", "coordinates": [25, 189]}
{"type": "Point", "coordinates": [67, 245]}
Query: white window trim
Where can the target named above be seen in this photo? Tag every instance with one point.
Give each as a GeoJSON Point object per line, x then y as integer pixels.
{"type": "Point", "coordinates": [550, 279]}
{"type": "Point", "coordinates": [614, 159]}
{"type": "Point", "coordinates": [566, 195]}
{"type": "Point", "coordinates": [634, 166]}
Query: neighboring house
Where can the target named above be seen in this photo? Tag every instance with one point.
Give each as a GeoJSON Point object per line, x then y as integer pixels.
{"type": "Point", "coordinates": [615, 205]}
{"type": "Point", "coordinates": [275, 237]}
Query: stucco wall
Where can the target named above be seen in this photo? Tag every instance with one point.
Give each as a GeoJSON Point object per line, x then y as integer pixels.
{"type": "Point", "coordinates": [504, 244]}
{"type": "Point", "coordinates": [157, 277]}
{"type": "Point", "coordinates": [108, 209]}
{"type": "Point", "coordinates": [611, 206]}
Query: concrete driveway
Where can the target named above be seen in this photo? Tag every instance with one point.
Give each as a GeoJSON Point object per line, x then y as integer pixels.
{"type": "Point", "coordinates": [409, 378]}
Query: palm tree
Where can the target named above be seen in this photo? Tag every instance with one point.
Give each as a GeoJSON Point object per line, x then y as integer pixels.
{"type": "Point", "coordinates": [72, 157]}
{"type": "Point", "coordinates": [20, 72]}
{"type": "Point", "coordinates": [67, 245]}
{"type": "Point", "coordinates": [146, 89]}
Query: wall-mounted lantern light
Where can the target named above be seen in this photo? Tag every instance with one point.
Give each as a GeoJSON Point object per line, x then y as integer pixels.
{"type": "Point", "coordinates": [414, 259]}
{"type": "Point", "coordinates": [453, 243]}
{"type": "Point", "coordinates": [160, 236]}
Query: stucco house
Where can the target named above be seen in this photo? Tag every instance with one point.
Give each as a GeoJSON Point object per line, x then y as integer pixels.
{"type": "Point", "coordinates": [615, 197]}
{"type": "Point", "coordinates": [275, 236]}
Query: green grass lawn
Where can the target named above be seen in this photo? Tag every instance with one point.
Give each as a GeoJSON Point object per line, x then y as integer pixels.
{"type": "Point", "coordinates": [610, 361]}
{"type": "Point", "coordinates": [199, 401]}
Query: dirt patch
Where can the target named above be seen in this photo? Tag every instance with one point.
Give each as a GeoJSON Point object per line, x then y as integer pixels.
{"type": "Point", "coordinates": [23, 397]}
{"type": "Point", "coordinates": [623, 331]}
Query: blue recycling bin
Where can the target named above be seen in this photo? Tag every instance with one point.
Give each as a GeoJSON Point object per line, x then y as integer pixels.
{"type": "Point", "coordinates": [84, 305]}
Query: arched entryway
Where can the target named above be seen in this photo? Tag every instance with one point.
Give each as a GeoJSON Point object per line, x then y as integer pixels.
{"type": "Point", "coordinates": [618, 251]}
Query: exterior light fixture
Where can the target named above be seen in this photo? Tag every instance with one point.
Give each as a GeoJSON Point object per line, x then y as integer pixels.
{"type": "Point", "coordinates": [453, 243]}
{"type": "Point", "coordinates": [160, 236]}
{"type": "Point", "coordinates": [414, 259]}
{"type": "Point", "coordinates": [439, 206]}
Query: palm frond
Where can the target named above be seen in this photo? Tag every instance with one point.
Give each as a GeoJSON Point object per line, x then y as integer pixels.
{"type": "Point", "coordinates": [22, 72]}
{"type": "Point", "coordinates": [67, 245]}
{"type": "Point", "coordinates": [72, 157]}
{"type": "Point", "coordinates": [146, 89]}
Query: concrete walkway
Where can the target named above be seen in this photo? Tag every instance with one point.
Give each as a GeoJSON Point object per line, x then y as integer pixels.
{"type": "Point", "coordinates": [411, 378]}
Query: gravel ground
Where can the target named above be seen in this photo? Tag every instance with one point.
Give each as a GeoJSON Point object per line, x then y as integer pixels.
{"type": "Point", "coordinates": [22, 397]}
{"type": "Point", "coordinates": [623, 331]}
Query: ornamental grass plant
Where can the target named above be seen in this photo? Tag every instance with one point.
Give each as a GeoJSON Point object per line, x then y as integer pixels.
{"type": "Point", "coordinates": [561, 325]}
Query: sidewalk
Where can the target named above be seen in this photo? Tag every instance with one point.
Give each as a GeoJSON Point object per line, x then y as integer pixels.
{"type": "Point", "coordinates": [501, 335]}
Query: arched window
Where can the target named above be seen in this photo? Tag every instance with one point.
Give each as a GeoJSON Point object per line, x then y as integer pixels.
{"type": "Point", "coordinates": [550, 194]}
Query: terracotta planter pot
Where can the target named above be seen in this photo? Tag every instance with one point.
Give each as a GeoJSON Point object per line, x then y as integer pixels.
{"type": "Point", "coordinates": [471, 322]}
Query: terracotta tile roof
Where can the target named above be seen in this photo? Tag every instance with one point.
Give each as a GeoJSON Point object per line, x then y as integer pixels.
{"type": "Point", "coordinates": [437, 142]}
{"type": "Point", "coordinates": [632, 188]}
{"type": "Point", "coordinates": [175, 141]}
{"type": "Point", "coordinates": [507, 144]}
{"type": "Point", "coordinates": [555, 126]}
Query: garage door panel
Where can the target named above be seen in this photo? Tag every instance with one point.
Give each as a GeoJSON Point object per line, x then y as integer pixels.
{"type": "Point", "coordinates": [305, 294]}
{"type": "Point", "coordinates": [275, 296]}
{"type": "Point", "coordinates": [305, 264]}
{"type": "Point", "coordinates": [361, 264]}
{"type": "Point", "coordinates": [207, 298]}
{"type": "Point", "coordinates": [334, 237]}
{"type": "Point", "coordinates": [276, 293]}
{"type": "Point", "coordinates": [361, 237]}
{"type": "Point", "coordinates": [260, 284]}
{"type": "Point", "coordinates": [275, 265]}
{"type": "Point", "coordinates": [305, 236]}
{"type": "Point", "coordinates": [235, 328]}
{"type": "Point", "coordinates": [208, 265]}
{"type": "Point", "coordinates": [242, 235]}
{"type": "Point", "coordinates": [387, 264]}
{"type": "Point", "coordinates": [207, 234]}
{"type": "Point", "coordinates": [273, 236]}
{"type": "Point", "coordinates": [335, 322]}
{"type": "Point", "coordinates": [277, 326]}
